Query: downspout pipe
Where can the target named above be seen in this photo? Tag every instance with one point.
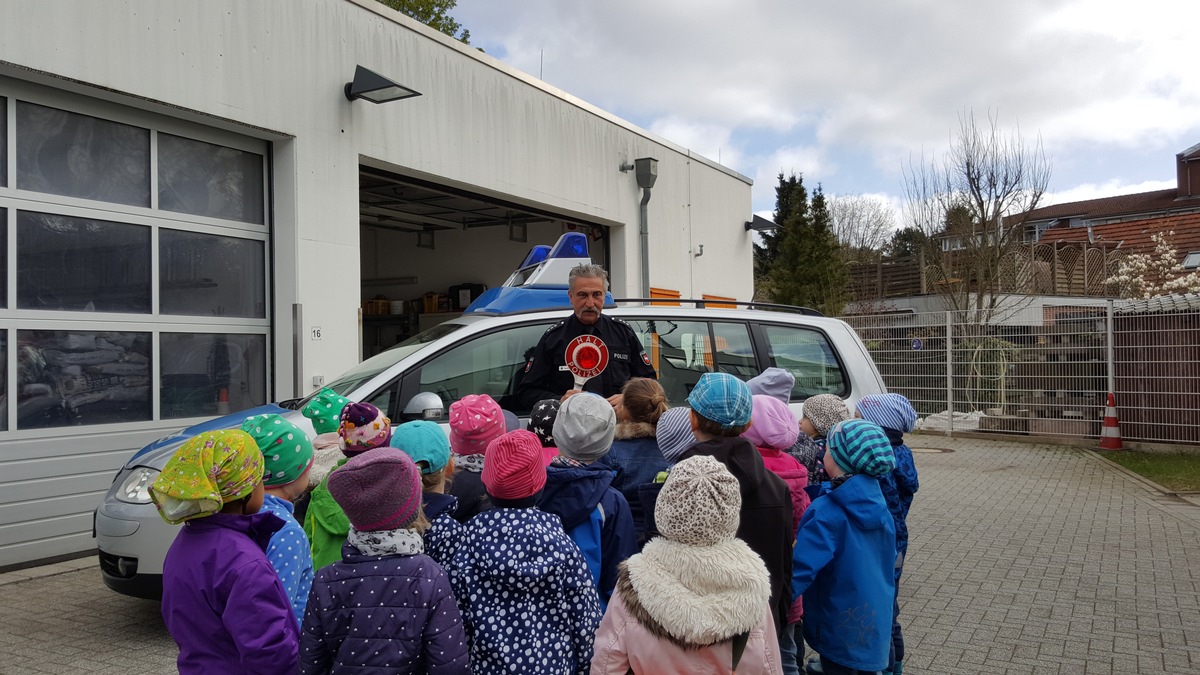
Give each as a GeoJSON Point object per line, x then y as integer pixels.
{"type": "Point", "coordinates": [645, 241]}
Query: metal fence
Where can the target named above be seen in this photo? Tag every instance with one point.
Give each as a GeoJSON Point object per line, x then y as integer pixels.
{"type": "Point", "coordinates": [1047, 372]}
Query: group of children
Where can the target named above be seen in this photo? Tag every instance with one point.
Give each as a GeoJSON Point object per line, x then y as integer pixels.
{"type": "Point", "coordinates": [638, 539]}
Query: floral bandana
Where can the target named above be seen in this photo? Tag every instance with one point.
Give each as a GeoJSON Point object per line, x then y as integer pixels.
{"type": "Point", "coordinates": [386, 542]}
{"type": "Point", "coordinates": [209, 470]}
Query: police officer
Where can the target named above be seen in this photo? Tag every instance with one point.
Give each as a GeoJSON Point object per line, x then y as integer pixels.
{"type": "Point", "coordinates": [546, 373]}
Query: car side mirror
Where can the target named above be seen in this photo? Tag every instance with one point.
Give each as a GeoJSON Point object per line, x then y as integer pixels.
{"type": "Point", "coordinates": [425, 406]}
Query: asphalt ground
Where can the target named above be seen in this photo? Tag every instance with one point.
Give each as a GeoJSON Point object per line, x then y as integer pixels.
{"type": "Point", "coordinates": [1024, 558]}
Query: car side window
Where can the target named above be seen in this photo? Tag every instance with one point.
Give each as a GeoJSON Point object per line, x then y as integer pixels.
{"type": "Point", "coordinates": [808, 356]}
{"type": "Point", "coordinates": [491, 364]}
{"type": "Point", "coordinates": [682, 351]}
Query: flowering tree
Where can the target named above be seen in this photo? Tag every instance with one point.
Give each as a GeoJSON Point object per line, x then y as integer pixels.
{"type": "Point", "coordinates": [1145, 275]}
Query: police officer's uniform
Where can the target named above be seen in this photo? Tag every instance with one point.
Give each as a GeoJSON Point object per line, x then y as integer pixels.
{"type": "Point", "coordinates": [546, 373]}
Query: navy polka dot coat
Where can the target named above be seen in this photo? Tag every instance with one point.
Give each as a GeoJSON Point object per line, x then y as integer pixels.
{"type": "Point", "coordinates": [382, 614]}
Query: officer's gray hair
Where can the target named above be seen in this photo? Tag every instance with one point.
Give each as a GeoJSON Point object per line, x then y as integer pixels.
{"type": "Point", "coordinates": [587, 271]}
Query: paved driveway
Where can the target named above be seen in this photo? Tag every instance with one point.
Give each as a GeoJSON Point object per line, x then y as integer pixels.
{"type": "Point", "coordinates": [1024, 559]}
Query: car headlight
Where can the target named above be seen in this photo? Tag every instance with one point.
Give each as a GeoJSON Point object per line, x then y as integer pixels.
{"type": "Point", "coordinates": [135, 489]}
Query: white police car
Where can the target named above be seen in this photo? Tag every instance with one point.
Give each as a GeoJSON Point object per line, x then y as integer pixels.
{"type": "Point", "coordinates": [484, 352]}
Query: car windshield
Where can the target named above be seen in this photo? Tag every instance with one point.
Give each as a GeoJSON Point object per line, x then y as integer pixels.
{"type": "Point", "coordinates": [380, 362]}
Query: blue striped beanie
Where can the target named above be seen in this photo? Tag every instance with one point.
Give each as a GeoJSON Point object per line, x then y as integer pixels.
{"type": "Point", "coordinates": [890, 411]}
{"type": "Point", "coordinates": [859, 446]}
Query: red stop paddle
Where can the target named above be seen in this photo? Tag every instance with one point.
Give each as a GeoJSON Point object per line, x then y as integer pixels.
{"type": "Point", "coordinates": [587, 357]}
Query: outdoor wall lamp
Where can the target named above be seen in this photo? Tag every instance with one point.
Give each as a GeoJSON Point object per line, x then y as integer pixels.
{"type": "Point", "coordinates": [373, 87]}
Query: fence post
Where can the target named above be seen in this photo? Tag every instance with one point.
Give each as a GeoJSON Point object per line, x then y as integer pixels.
{"type": "Point", "coordinates": [1109, 349]}
{"type": "Point", "coordinates": [949, 375]}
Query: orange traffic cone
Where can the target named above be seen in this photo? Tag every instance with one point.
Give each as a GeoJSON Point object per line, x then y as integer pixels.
{"type": "Point", "coordinates": [223, 402]}
{"type": "Point", "coordinates": [1110, 433]}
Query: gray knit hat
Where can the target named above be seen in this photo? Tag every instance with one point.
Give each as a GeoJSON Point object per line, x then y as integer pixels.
{"type": "Point", "coordinates": [584, 427]}
{"type": "Point", "coordinates": [773, 382]}
{"type": "Point", "coordinates": [699, 504]}
{"type": "Point", "coordinates": [674, 433]}
{"type": "Point", "coordinates": [824, 411]}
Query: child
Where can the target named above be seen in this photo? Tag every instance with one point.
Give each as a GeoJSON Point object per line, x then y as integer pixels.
{"type": "Point", "coordinates": [674, 437]}
{"type": "Point", "coordinates": [362, 427]}
{"type": "Point", "coordinates": [634, 451]}
{"type": "Point", "coordinates": [324, 411]}
{"type": "Point", "coordinates": [385, 607]}
{"type": "Point", "coordinates": [896, 416]}
{"type": "Point", "coordinates": [426, 444]}
{"type": "Point", "coordinates": [774, 429]}
{"type": "Point", "coordinates": [527, 597]}
{"type": "Point", "coordinates": [821, 413]}
{"type": "Point", "coordinates": [222, 601]}
{"type": "Point", "coordinates": [695, 594]}
{"type": "Point", "coordinates": [287, 458]}
{"type": "Point", "coordinates": [541, 422]}
{"type": "Point", "coordinates": [845, 552]}
{"type": "Point", "coordinates": [579, 489]}
{"type": "Point", "coordinates": [475, 420]}
{"type": "Point", "coordinates": [721, 410]}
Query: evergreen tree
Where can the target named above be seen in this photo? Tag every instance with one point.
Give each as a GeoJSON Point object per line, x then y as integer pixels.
{"type": "Point", "coordinates": [789, 196]}
{"type": "Point", "coordinates": [807, 269]}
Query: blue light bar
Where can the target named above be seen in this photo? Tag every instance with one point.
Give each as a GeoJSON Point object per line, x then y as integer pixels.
{"type": "Point", "coordinates": [571, 245]}
{"type": "Point", "coordinates": [536, 255]}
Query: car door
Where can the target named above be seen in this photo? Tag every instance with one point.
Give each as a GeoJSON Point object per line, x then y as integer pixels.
{"type": "Point", "coordinates": [681, 350]}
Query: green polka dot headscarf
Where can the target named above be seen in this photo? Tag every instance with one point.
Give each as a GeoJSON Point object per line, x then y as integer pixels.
{"type": "Point", "coordinates": [325, 410]}
{"type": "Point", "coordinates": [286, 450]}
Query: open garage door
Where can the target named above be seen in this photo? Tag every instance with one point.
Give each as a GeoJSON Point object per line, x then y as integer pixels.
{"type": "Point", "coordinates": [427, 249]}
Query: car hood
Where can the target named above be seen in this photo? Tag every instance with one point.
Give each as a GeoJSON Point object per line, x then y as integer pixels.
{"type": "Point", "coordinates": [156, 454]}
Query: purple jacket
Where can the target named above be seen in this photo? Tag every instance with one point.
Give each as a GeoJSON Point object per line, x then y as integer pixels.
{"type": "Point", "coordinates": [222, 601]}
{"type": "Point", "coordinates": [382, 614]}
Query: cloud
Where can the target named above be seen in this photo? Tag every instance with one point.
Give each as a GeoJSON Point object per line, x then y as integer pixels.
{"type": "Point", "coordinates": [1111, 188]}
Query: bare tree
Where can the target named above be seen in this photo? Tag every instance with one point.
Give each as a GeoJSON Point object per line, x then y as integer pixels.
{"type": "Point", "coordinates": [862, 224]}
{"type": "Point", "coordinates": [973, 205]}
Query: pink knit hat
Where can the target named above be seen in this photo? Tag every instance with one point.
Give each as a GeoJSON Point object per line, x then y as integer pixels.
{"type": "Point", "coordinates": [378, 490]}
{"type": "Point", "coordinates": [772, 424]}
{"type": "Point", "coordinates": [475, 420]}
{"type": "Point", "coordinates": [513, 467]}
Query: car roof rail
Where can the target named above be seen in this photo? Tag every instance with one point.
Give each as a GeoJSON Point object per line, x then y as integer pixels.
{"type": "Point", "coordinates": [704, 302]}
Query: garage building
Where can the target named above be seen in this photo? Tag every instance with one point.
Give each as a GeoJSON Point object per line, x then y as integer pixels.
{"type": "Point", "coordinates": [194, 215]}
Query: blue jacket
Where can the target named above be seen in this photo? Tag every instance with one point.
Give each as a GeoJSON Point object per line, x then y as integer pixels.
{"type": "Point", "coordinates": [290, 555]}
{"type": "Point", "coordinates": [595, 516]}
{"type": "Point", "coordinates": [526, 595]}
{"type": "Point", "coordinates": [898, 487]}
{"type": "Point", "coordinates": [638, 460]}
{"type": "Point", "coordinates": [222, 601]}
{"type": "Point", "coordinates": [444, 533]}
{"type": "Point", "coordinates": [842, 565]}
{"type": "Point", "coordinates": [382, 614]}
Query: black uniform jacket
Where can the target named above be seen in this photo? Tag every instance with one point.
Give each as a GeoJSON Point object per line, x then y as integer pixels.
{"type": "Point", "coordinates": [546, 374]}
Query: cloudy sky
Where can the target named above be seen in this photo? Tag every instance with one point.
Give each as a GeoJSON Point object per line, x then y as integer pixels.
{"type": "Point", "coordinates": [847, 91]}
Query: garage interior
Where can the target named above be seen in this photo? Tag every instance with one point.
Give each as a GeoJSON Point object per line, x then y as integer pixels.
{"type": "Point", "coordinates": [428, 249]}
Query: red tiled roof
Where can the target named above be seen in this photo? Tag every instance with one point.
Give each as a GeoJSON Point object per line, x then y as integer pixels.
{"type": "Point", "coordinates": [1142, 202]}
{"type": "Point", "coordinates": [1134, 235]}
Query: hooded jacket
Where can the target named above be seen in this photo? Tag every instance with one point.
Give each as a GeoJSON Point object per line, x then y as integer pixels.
{"type": "Point", "coordinates": [325, 524]}
{"type": "Point", "coordinates": [677, 608]}
{"type": "Point", "coordinates": [444, 533]}
{"type": "Point", "coordinates": [898, 487]}
{"type": "Point", "coordinates": [766, 515]}
{"type": "Point", "coordinates": [467, 487]}
{"type": "Point", "coordinates": [289, 553]}
{"type": "Point", "coordinates": [843, 567]}
{"type": "Point", "coordinates": [222, 601]}
{"type": "Point", "coordinates": [382, 614]}
{"type": "Point", "coordinates": [595, 516]}
{"type": "Point", "coordinates": [638, 460]}
{"type": "Point", "coordinates": [527, 598]}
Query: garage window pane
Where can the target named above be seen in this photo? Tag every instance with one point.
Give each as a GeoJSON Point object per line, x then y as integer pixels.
{"type": "Point", "coordinates": [3, 142]}
{"type": "Point", "coordinates": [207, 275]}
{"type": "Point", "coordinates": [81, 264]}
{"type": "Point", "coordinates": [4, 376]}
{"type": "Point", "coordinates": [3, 256]}
{"type": "Point", "coordinates": [82, 377]}
{"type": "Point", "coordinates": [205, 179]}
{"type": "Point", "coordinates": [206, 374]}
{"type": "Point", "coordinates": [75, 155]}
{"type": "Point", "coordinates": [809, 357]}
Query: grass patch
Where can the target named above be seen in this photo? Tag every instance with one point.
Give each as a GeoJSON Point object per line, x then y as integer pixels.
{"type": "Point", "coordinates": [1177, 472]}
